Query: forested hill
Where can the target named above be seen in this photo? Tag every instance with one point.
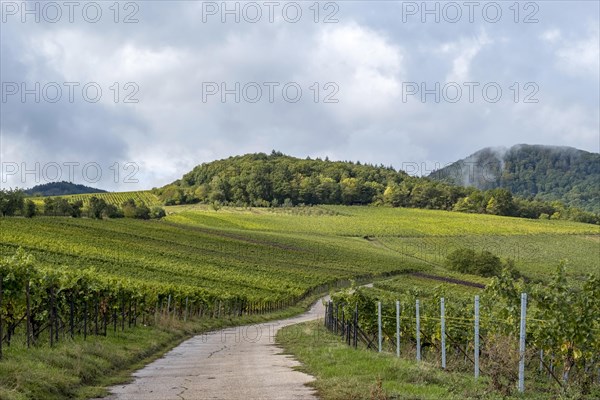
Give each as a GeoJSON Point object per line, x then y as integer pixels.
{"type": "Point", "coordinates": [549, 173]}
{"type": "Point", "coordinates": [279, 180]}
{"type": "Point", "coordinates": [261, 180]}
{"type": "Point", "coordinates": [61, 189]}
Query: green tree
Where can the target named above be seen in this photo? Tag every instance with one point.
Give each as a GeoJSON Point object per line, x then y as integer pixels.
{"type": "Point", "coordinates": [468, 261]}
{"type": "Point", "coordinates": [76, 208]}
{"type": "Point", "coordinates": [129, 208]}
{"type": "Point", "coordinates": [29, 209]}
{"type": "Point", "coordinates": [49, 206]}
{"type": "Point", "coordinates": [11, 201]}
{"type": "Point", "coordinates": [142, 212]}
{"type": "Point", "coordinates": [96, 207]}
{"type": "Point", "coordinates": [111, 211]}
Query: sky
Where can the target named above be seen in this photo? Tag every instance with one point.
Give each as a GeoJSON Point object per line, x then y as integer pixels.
{"type": "Point", "coordinates": [131, 95]}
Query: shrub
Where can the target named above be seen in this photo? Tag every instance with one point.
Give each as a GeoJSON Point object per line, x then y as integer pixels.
{"type": "Point", "coordinates": [157, 213]}
{"type": "Point", "coordinates": [468, 261]}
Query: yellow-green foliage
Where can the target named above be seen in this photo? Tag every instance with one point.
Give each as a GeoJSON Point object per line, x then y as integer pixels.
{"type": "Point", "coordinates": [145, 197]}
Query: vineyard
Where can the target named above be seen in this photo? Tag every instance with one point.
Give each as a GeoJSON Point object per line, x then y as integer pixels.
{"type": "Point", "coordinates": [144, 197]}
{"type": "Point", "coordinates": [78, 277]}
{"type": "Point", "coordinates": [424, 236]}
{"type": "Point", "coordinates": [445, 326]}
{"type": "Point", "coordinates": [63, 303]}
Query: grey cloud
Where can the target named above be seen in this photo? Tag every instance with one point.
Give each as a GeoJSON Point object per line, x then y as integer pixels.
{"type": "Point", "coordinates": [171, 52]}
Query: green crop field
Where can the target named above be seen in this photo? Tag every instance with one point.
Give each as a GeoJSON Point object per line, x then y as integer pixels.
{"type": "Point", "coordinates": [141, 197]}
{"type": "Point", "coordinates": [375, 221]}
{"type": "Point", "coordinates": [284, 252]}
{"type": "Point", "coordinates": [225, 260]}
{"type": "Point", "coordinates": [536, 246]}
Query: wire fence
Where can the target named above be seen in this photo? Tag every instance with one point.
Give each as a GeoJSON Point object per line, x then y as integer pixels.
{"type": "Point", "coordinates": [404, 334]}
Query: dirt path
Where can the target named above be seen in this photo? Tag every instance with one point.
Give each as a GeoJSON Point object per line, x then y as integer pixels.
{"type": "Point", "coordinates": [235, 363]}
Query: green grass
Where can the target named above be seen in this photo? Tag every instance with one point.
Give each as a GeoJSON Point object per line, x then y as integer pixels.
{"type": "Point", "coordinates": [403, 283]}
{"type": "Point", "coordinates": [343, 373]}
{"type": "Point", "coordinates": [537, 246]}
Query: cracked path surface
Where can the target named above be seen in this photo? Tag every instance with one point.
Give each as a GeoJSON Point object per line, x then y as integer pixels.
{"type": "Point", "coordinates": [231, 364]}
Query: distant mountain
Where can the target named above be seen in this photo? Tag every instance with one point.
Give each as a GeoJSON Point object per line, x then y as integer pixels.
{"type": "Point", "coordinates": [61, 189]}
{"type": "Point", "coordinates": [547, 173]}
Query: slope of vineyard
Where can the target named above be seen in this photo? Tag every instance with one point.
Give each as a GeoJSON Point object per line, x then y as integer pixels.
{"type": "Point", "coordinates": [221, 261]}
{"type": "Point", "coordinates": [415, 235]}
{"type": "Point", "coordinates": [117, 198]}
{"type": "Point", "coordinates": [281, 254]}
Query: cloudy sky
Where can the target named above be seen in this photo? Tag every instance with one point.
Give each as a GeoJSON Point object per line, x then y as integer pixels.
{"type": "Point", "coordinates": [132, 96]}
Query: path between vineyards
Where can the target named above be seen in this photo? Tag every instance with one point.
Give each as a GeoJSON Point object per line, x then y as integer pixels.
{"type": "Point", "coordinates": [235, 363]}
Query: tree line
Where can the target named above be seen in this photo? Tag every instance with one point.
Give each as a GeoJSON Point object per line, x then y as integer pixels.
{"type": "Point", "coordinates": [274, 180]}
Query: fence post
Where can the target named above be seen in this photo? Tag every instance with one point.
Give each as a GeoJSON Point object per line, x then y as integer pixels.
{"type": "Point", "coordinates": [343, 324]}
{"type": "Point", "coordinates": [541, 360]}
{"type": "Point", "coordinates": [28, 313]}
{"type": "Point", "coordinates": [418, 331]}
{"type": "Point", "coordinates": [51, 316]}
{"type": "Point", "coordinates": [379, 323]}
{"type": "Point", "coordinates": [476, 355]}
{"type": "Point", "coordinates": [356, 326]}
{"type": "Point", "coordinates": [186, 310]}
{"type": "Point", "coordinates": [397, 328]}
{"type": "Point", "coordinates": [443, 330]}
{"type": "Point", "coordinates": [1, 330]}
{"type": "Point", "coordinates": [522, 343]}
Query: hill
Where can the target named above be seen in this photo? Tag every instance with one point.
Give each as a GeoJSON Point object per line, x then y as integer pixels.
{"type": "Point", "coordinates": [545, 173]}
{"type": "Point", "coordinates": [263, 180]}
{"type": "Point", "coordinates": [61, 189]}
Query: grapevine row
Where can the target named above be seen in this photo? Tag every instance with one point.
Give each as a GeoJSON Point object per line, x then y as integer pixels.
{"type": "Point", "coordinates": [563, 328]}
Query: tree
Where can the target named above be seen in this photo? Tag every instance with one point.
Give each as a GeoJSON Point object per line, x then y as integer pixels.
{"type": "Point", "coordinates": [468, 261]}
{"type": "Point", "coordinates": [76, 208]}
{"type": "Point", "coordinates": [350, 190]}
{"type": "Point", "coordinates": [96, 207]}
{"type": "Point", "coordinates": [111, 211]}
{"type": "Point", "coordinates": [129, 208]}
{"type": "Point", "coordinates": [49, 206]}
{"type": "Point", "coordinates": [142, 212]}
{"type": "Point", "coordinates": [216, 205]}
{"type": "Point", "coordinates": [29, 209]}
{"type": "Point", "coordinates": [11, 201]}
{"type": "Point", "coordinates": [500, 202]}
{"type": "Point", "coordinates": [63, 207]}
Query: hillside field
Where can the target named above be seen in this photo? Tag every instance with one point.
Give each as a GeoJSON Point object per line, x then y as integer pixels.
{"type": "Point", "coordinates": [285, 251]}
{"type": "Point", "coordinates": [145, 197]}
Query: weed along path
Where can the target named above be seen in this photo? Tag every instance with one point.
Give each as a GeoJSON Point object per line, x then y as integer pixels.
{"type": "Point", "coordinates": [230, 364]}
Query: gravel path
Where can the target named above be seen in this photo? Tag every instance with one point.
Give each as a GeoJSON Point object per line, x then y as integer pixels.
{"type": "Point", "coordinates": [230, 364]}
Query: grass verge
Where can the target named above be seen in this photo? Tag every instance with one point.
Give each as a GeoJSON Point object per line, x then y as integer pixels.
{"type": "Point", "coordinates": [343, 373]}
